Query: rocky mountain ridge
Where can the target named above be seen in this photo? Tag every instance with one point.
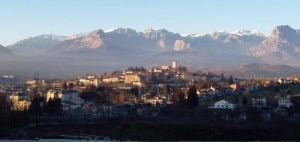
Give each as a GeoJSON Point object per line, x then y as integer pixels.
{"type": "Point", "coordinates": [4, 51]}
{"type": "Point", "coordinates": [282, 46]}
{"type": "Point", "coordinates": [220, 47]}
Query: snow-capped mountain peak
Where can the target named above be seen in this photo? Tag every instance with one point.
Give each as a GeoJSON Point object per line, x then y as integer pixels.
{"type": "Point", "coordinates": [258, 33]}
{"type": "Point", "coordinates": [160, 33]}
{"type": "Point", "coordinates": [111, 30]}
{"type": "Point", "coordinates": [223, 33]}
{"type": "Point", "coordinates": [122, 31]}
{"type": "Point", "coordinates": [149, 30]}
{"type": "Point", "coordinates": [247, 33]}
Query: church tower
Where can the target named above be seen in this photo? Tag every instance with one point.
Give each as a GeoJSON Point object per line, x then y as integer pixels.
{"type": "Point", "coordinates": [174, 65]}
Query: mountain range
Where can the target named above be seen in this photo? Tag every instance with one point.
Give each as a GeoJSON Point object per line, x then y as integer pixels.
{"type": "Point", "coordinates": [150, 42]}
{"type": "Point", "coordinates": [127, 46]}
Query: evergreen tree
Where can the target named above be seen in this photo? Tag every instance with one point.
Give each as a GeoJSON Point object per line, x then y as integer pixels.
{"type": "Point", "coordinates": [35, 108]}
{"type": "Point", "coordinates": [152, 92]}
{"type": "Point", "coordinates": [192, 99]}
{"type": "Point", "coordinates": [181, 99]}
{"type": "Point", "coordinates": [55, 106]}
{"type": "Point", "coordinates": [134, 91]}
{"type": "Point", "coordinates": [166, 90]}
{"type": "Point", "coordinates": [71, 86]}
{"type": "Point", "coordinates": [222, 78]}
{"type": "Point", "coordinates": [64, 86]}
{"type": "Point", "coordinates": [236, 99]}
{"type": "Point", "coordinates": [202, 85]}
{"type": "Point", "coordinates": [245, 101]}
{"type": "Point", "coordinates": [50, 105]}
{"type": "Point", "coordinates": [230, 81]}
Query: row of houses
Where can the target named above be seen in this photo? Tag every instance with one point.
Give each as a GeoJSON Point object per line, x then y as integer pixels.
{"type": "Point", "coordinates": [258, 102]}
{"type": "Point", "coordinates": [70, 99]}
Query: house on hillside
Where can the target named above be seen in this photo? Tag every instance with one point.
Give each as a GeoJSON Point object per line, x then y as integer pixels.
{"type": "Point", "coordinates": [259, 101]}
{"type": "Point", "coordinates": [70, 106]}
{"type": "Point", "coordinates": [156, 102]}
{"type": "Point", "coordinates": [223, 105]}
{"type": "Point", "coordinates": [68, 96]}
{"type": "Point", "coordinates": [285, 102]}
{"type": "Point", "coordinates": [133, 78]}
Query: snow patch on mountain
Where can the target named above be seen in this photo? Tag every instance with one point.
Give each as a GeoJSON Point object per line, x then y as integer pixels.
{"type": "Point", "coordinates": [77, 35]}
{"type": "Point", "coordinates": [51, 37]}
{"type": "Point", "coordinates": [222, 33]}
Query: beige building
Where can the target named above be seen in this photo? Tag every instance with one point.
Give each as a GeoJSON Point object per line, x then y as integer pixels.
{"type": "Point", "coordinates": [112, 79]}
{"type": "Point", "coordinates": [90, 81]}
{"type": "Point", "coordinates": [34, 82]}
{"type": "Point", "coordinates": [165, 67]}
{"type": "Point", "coordinates": [133, 78]}
{"type": "Point", "coordinates": [19, 102]}
{"type": "Point", "coordinates": [174, 65]}
{"type": "Point", "coordinates": [31, 82]}
{"type": "Point", "coordinates": [157, 70]}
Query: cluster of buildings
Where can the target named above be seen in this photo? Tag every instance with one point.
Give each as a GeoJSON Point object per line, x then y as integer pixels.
{"type": "Point", "coordinates": [68, 90]}
{"type": "Point", "coordinates": [154, 89]}
{"type": "Point", "coordinates": [140, 77]}
{"type": "Point", "coordinates": [257, 102]}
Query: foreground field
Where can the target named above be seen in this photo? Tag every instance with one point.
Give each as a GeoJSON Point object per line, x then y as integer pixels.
{"type": "Point", "coordinates": [164, 130]}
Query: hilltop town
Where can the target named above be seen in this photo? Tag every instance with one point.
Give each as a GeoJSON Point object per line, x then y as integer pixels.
{"type": "Point", "coordinates": [165, 93]}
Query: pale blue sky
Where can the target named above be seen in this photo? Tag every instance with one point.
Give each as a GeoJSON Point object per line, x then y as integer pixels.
{"type": "Point", "coordinates": [27, 18]}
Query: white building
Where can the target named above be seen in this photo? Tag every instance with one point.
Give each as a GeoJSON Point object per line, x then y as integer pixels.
{"type": "Point", "coordinates": [223, 105]}
{"type": "Point", "coordinates": [70, 99]}
{"type": "Point", "coordinates": [70, 106]}
{"type": "Point", "coordinates": [285, 102]}
{"type": "Point", "coordinates": [259, 101]}
{"type": "Point", "coordinates": [156, 102]}
{"type": "Point", "coordinates": [69, 96]}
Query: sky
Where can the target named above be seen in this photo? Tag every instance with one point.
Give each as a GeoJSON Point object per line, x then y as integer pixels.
{"type": "Point", "coordinates": [22, 19]}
